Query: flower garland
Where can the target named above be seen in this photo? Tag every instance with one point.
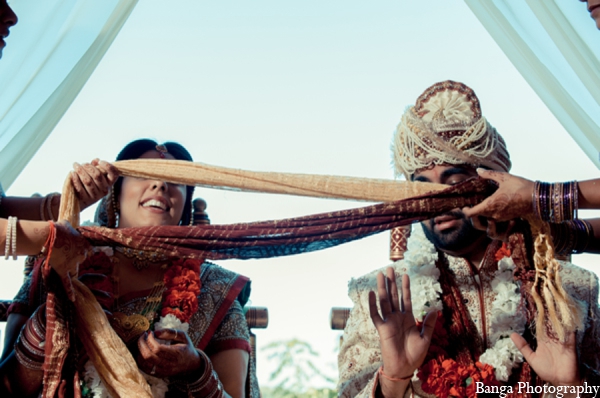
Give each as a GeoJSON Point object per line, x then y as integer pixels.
{"type": "Point", "coordinates": [180, 303]}
{"type": "Point", "coordinates": [441, 375]}
{"type": "Point", "coordinates": [182, 281]}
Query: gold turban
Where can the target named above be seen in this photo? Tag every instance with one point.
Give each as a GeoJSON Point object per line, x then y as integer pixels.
{"type": "Point", "coordinates": [445, 126]}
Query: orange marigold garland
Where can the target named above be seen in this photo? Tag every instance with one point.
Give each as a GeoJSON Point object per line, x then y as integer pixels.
{"type": "Point", "coordinates": [503, 252]}
{"type": "Point", "coordinates": [444, 377]}
{"type": "Point", "coordinates": [182, 282]}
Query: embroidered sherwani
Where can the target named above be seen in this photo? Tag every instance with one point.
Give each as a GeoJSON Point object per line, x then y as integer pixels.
{"type": "Point", "coordinates": [360, 355]}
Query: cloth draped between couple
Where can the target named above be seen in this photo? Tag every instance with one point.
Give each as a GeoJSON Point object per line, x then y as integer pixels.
{"type": "Point", "coordinates": [243, 241]}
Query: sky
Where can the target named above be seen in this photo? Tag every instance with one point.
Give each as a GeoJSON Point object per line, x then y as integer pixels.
{"type": "Point", "coordinates": [306, 87]}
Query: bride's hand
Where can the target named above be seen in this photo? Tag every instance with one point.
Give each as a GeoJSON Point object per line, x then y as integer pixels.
{"type": "Point", "coordinates": [70, 249]}
{"type": "Point", "coordinates": [180, 358]}
{"type": "Point", "coordinates": [93, 180]}
{"type": "Point", "coordinates": [512, 199]}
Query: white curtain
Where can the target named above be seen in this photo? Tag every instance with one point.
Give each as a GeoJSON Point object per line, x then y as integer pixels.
{"type": "Point", "coordinates": [554, 44]}
{"type": "Point", "coordinates": [50, 54]}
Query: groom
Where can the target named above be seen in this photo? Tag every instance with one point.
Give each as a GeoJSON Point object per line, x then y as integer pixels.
{"type": "Point", "coordinates": [449, 334]}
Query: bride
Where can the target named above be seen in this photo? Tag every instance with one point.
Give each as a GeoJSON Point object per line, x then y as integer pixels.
{"type": "Point", "coordinates": [182, 320]}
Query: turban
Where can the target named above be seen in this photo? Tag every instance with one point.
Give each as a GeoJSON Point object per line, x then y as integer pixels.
{"type": "Point", "coordinates": [445, 126]}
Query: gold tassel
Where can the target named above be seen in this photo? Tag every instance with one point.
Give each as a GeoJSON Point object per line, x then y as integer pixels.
{"type": "Point", "coordinates": [556, 309]}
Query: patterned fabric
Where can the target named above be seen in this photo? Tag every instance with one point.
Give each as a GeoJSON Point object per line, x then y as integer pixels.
{"type": "Point", "coordinates": [232, 332]}
{"type": "Point", "coordinates": [360, 354]}
{"type": "Point", "coordinates": [290, 236]}
{"type": "Point", "coordinates": [271, 238]}
{"type": "Point", "coordinates": [218, 325]}
{"type": "Point", "coordinates": [215, 280]}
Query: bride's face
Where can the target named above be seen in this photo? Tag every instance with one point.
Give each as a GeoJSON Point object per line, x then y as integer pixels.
{"type": "Point", "coordinates": [145, 203]}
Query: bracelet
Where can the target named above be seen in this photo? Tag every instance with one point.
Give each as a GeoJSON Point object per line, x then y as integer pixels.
{"type": "Point", "coordinates": [584, 232]}
{"type": "Point", "coordinates": [26, 362]}
{"type": "Point", "coordinates": [572, 236]}
{"type": "Point", "coordinates": [13, 240]}
{"type": "Point", "coordinates": [557, 202]}
{"type": "Point", "coordinates": [382, 373]}
{"type": "Point", "coordinates": [30, 345]}
{"type": "Point", "coordinates": [42, 207]}
{"type": "Point", "coordinates": [49, 240]}
{"type": "Point", "coordinates": [46, 207]}
{"type": "Point", "coordinates": [7, 238]}
{"type": "Point", "coordinates": [49, 204]}
{"type": "Point", "coordinates": [10, 245]}
{"type": "Point", "coordinates": [207, 385]}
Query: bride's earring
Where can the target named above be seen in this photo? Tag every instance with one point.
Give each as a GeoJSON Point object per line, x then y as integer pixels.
{"type": "Point", "coordinates": [115, 209]}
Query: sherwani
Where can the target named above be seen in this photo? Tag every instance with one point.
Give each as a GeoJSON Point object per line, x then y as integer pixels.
{"type": "Point", "coordinates": [360, 354]}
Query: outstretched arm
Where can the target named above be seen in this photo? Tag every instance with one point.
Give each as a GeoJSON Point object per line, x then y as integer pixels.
{"type": "Point", "coordinates": [514, 197]}
{"type": "Point", "coordinates": [30, 239]}
{"type": "Point", "coordinates": [90, 180]}
{"type": "Point", "coordinates": [392, 339]}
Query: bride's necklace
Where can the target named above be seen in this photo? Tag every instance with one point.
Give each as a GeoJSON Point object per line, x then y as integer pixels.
{"type": "Point", "coordinates": [130, 327]}
{"type": "Point", "coordinates": [141, 259]}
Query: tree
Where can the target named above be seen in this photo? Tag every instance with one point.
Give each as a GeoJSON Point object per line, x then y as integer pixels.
{"type": "Point", "coordinates": [296, 371]}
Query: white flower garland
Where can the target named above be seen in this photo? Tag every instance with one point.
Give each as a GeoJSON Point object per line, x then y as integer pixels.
{"type": "Point", "coordinates": [505, 318]}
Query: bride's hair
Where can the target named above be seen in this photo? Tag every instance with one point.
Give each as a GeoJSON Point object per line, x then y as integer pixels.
{"type": "Point", "coordinates": [134, 150]}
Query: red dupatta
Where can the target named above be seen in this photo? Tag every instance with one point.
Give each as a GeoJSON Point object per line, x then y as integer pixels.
{"type": "Point", "coordinates": [290, 236]}
{"type": "Point", "coordinates": [255, 240]}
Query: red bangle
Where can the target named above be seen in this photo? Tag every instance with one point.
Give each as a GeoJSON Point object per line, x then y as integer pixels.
{"type": "Point", "coordinates": [382, 373]}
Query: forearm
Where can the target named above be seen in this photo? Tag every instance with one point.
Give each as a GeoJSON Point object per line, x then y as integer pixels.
{"type": "Point", "coordinates": [14, 324]}
{"type": "Point", "coordinates": [576, 236]}
{"type": "Point", "coordinates": [31, 236]}
{"type": "Point", "coordinates": [231, 366]}
{"type": "Point", "coordinates": [589, 194]}
{"type": "Point", "coordinates": [22, 371]}
{"type": "Point", "coordinates": [19, 381]}
{"type": "Point", "coordinates": [202, 382]}
{"type": "Point", "coordinates": [594, 242]}
{"type": "Point", "coordinates": [43, 208]}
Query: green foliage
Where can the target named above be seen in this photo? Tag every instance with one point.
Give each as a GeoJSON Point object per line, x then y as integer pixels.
{"type": "Point", "coordinates": [295, 371]}
{"type": "Point", "coordinates": [269, 392]}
